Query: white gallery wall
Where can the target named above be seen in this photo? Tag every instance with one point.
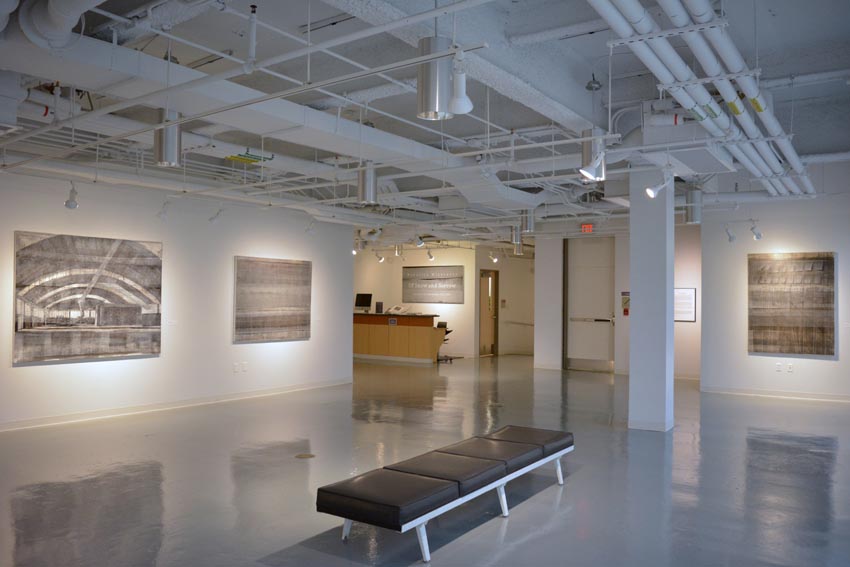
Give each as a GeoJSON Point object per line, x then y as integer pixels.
{"type": "Point", "coordinates": [687, 273]}
{"type": "Point", "coordinates": [820, 225]}
{"type": "Point", "coordinates": [198, 356]}
{"type": "Point", "coordinates": [383, 281]}
{"type": "Point", "coordinates": [548, 303]}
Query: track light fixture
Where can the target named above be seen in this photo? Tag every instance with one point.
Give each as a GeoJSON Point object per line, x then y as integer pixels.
{"type": "Point", "coordinates": [359, 246]}
{"type": "Point", "coordinates": [460, 102]}
{"type": "Point", "coordinates": [215, 218]}
{"type": "Point", "coordinates": [354, 251]}
{"type": "Point", "coordinates": [419, 242]}
{"type": "Point", "coordinates": [310, 228]}
{"type": "Point", "coordinates": [730, 235]}
{"type": "Point", "coordinates": [430, 256]}
{"type": "Point", "coordinates": [380, 258]}
{"type": "Point", "coordinates": [593, 156]}
{"type": "Point", "coordinates": [757, 234]}
{"type": "Point", "coordinates": [493, 257]}
{"type": "Point", "coordinates": [398, 249]}
{"type": "Point", "coordinates": [71, 201]}
{"type": "Point", "coordinates": [655, 190]}
{"type": "Point", "coordinates": [518, 249]}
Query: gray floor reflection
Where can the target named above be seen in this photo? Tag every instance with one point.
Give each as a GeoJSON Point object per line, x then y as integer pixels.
{"type": "Point", "coordinates": [789, 494]}
{"type": "Point", "coordinates": [269, 484]}
{"type": "Point", "coordinates": [395, 394]}
{"type": "Point", "coordinates": [111, 518]}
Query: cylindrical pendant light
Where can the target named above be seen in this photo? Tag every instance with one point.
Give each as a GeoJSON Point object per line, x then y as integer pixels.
{"type": "Point", "coordinates": [527, 221]}
{"type": "Point", "coordinates": [593, 156]}
{"type": "Point", "coordinates": [693, 210]}
{"type": "Point", "coordinates": [434, 87]}
{"type": "Point", "coordinates": [367, 185]}
{"type": "Point", "coordinates": [167, 142]}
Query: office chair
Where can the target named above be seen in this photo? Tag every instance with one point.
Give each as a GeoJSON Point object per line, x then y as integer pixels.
{"type": "Point", "coordinates": [441, 357]}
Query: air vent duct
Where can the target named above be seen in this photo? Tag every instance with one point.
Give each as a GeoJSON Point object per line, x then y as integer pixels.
{"type": "Point", "coordinates": [367, 185]}
{"type": "Point", "coordinates": [434, 86]}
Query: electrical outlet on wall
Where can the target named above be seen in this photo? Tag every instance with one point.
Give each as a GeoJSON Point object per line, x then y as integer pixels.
{"type": "Point", "coordinates": [779, 367]}
{"type": "Point", "coordinates": [790, 367]}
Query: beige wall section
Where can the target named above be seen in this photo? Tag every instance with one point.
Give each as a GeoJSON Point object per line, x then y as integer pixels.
{"type": "Point", "coordinates": [516, 300]}
{"type": "Point", "coordinates": [383, 281]}
{"type": "Point", "coordinates": [687, 272]}
{"type": "Point", "coordinates": [819, 225]}
{"type": "Point", "coordinates": [198, 354]}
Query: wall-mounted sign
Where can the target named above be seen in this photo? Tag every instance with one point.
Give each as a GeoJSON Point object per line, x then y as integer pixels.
{"type": "Point", "coordinates": [432, 284]}
{"type": "Point", "coordinates": [625, 302]}
{"type": "Point", "coordinates": [685, 305]}
{"type": "Point", "coordinates": [586, 228]}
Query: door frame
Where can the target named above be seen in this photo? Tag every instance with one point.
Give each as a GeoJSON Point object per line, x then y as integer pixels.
{"type": "Point", "coordinates": [495, 275]}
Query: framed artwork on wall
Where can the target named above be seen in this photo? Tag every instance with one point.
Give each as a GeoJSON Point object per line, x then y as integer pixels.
{"type": "Point", "coordinates": [685, 305]}
{"type": "Point", "coordinates": [271, 300]}
{"type": "Point", "coordinates": [432, 284]}
{"type": "Point", "coordinates": [792, 303]}
{"type": "Point", "coordinates": [84, 297]}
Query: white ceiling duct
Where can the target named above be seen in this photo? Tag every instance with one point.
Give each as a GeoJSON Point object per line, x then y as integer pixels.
{"type": "Point", "coordinates": [48, 23]}
{"type": "Point", "coordinates": [124, 73]}
{"type": "Point", "coordinates": [6, 8]}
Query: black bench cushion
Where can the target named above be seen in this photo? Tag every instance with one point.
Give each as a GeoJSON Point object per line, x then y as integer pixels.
{"type": "Point", "coordinates": [470, 473]}
{"type": "Point", "coordinates": [551, 441]}
{"type": "Point", "coordinates": [514, 455]}
{"type": "Point", "coordinates": [385, 498]}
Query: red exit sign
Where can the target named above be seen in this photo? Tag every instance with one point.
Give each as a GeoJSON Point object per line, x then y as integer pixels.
{"type": "Point", "coordinates": [586, 228]}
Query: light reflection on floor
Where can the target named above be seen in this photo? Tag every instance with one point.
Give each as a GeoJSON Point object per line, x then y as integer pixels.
{"type": "Point", "coordinates": [740, 481]}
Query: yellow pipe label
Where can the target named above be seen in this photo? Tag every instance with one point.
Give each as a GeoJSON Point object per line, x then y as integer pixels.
{"type": "Point", "coordinates": [733, 106]}
{"type": "Point", "coordinates": [757, 105]}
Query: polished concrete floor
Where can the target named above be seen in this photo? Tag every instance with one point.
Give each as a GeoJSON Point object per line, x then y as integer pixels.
{"type": "Point", "coordinates": [741, 481]}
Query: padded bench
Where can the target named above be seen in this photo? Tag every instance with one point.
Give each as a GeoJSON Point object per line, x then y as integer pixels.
{"type": "Point", "coordinates": [406, 495]}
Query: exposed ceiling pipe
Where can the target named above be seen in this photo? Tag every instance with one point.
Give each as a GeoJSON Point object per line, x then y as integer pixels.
{"type": "Point", "coordinates": [712, 68]}
{"type": "Point", "coordinates": [559, 33]}
{"type": "Point", "coordinates": [6, 8]}
{"type": "Point", "coordinates": [365, 96]}
{"type": "Point", "coordinates": [624, 29]}
{"type": "Point", "coordinates": [643, 23]}
{"type": "Point", "coordinates": [165, 14]}
{"type": "Point", "coordinates": [805, 79]}
{"type": "Point", "coordinates": [826, 158]}
{"type": "Point", "coordinates": [48, 23]}
{"type": "Point", "coordinates": [702, 12]}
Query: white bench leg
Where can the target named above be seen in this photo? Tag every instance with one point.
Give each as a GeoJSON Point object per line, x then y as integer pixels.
{"type": "Point", "coordinates": [423, 542]}
{"type": "Point", "coordinates": [346, 529]}
{"type": "Point", "coordinates": [558, 470]}
{"type": "Point", "coordinates": [503, 500]}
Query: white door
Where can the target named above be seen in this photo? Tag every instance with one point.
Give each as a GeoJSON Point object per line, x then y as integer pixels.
{"type": "Point", "coordinates": [590, 302]}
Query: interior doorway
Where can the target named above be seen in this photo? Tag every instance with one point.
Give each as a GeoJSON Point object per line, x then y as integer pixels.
{"type": "Point", "coordinates": [488, 313]}
{"type": "Point", "coordinates": [589, 301]}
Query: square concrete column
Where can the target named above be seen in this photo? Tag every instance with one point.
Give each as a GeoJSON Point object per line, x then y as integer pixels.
{"type": "Point", "coordinates": [651, 231]}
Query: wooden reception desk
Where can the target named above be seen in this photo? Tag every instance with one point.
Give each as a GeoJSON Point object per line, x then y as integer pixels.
{"type": "Point", "coordinates": [400, 338]}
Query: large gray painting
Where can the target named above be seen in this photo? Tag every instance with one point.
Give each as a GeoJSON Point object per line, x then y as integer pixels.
{"type": "Point", "coordinates": [271, 300]}
{"type": "Point", "coordinates": [792, 303]}
{"type": "Point", "coordinates": [82, 297]}
{"type": "Point", "coordinates": [432, 284]}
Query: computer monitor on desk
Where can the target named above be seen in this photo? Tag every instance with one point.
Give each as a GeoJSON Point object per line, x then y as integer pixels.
{"type": "Point", "coordinates": [363, 302]}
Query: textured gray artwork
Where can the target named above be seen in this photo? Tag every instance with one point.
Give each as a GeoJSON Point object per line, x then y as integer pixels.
{"type": "Point", "coordinates": [271, 300]}
{"type": "Point", "coordinates": [81, 297]}
{"type": "Point", "coordinates": [792, 303]}
{"type": "Point", "coordinates": [432, 284]}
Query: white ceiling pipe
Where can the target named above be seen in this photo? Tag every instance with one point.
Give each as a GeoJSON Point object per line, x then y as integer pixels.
{"type": "Point", "coordinates": [702, 12]}
{"type": "Point", "coordinates": [826, 158]}
{"type": "Point", "coordinates": [6, 8]}
{"type": "Point", "coordinates": [563, 32]}
{"type": "Point", "coordinates": [624, 29]}
{"type": "Point", "coordinates": [805, 79]}
{"type": "Point", "coordinates": [643, 23]}
{"type": "Point", "coordinates": [48, 23]}
{"type": "Point", "coordinates": [711, 66]}
{"type": "Point", "coordinates": [165, 14]}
